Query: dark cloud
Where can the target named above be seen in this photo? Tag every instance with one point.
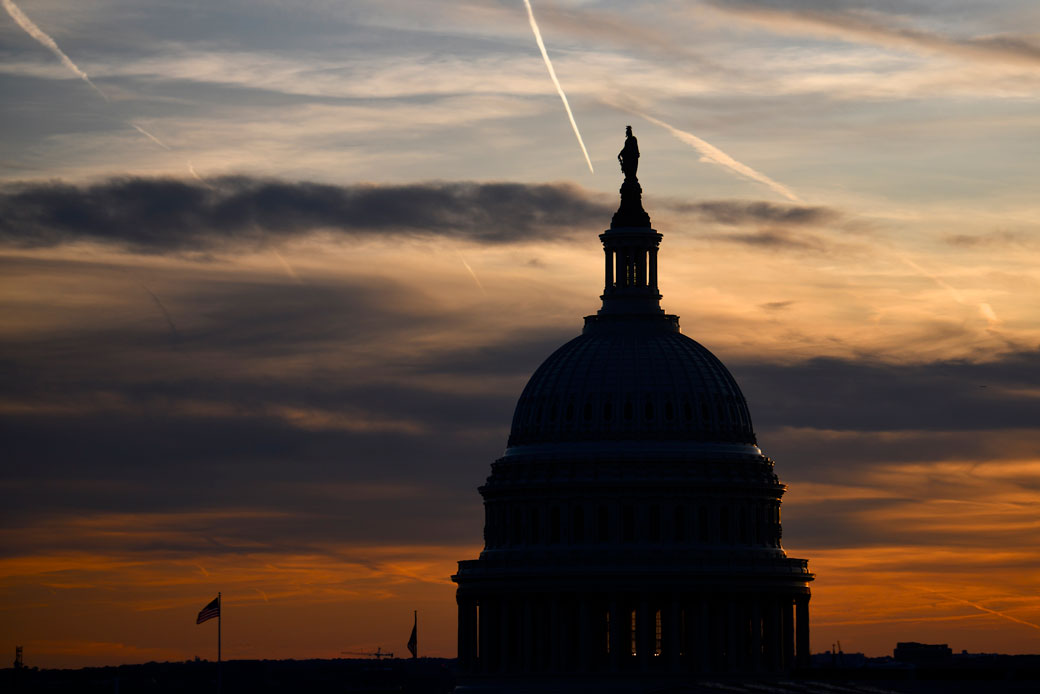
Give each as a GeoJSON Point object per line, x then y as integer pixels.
{"type": "Point", "coordinates": [777, 239]}
{"type": "Point", "coordinates": [744, 212]}
{"type": "Point", "coordinates": [851, 395]}
{"type": "Point", "coordinates": [996, 239]}
{"type": "Point", "coordinates": [776, 305]}
{"type": "Point", "coordinates": [160, 214]}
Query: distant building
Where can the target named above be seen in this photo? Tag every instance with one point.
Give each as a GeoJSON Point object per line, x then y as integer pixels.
{"type": "Point", "coordinates": [632, 526]}
{"type": "Point", "coordinates": [921, 653]}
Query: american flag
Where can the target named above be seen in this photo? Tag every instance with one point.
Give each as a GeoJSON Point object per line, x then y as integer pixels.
{"type": "Point", "coordinates": [209, 611]}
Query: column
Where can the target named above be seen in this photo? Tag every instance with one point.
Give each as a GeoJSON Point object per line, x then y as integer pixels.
{"type": "Point", "coordinates": [645, 624]}
{"type": "Point", "coordinates": [803, 632]}
{"type": "Point", "coordinates": [776, 639]}
{"type": "Point", "coordinates": [554, 632]}
{"type": "Point", "coordinates": [506, 647]}
{"type": "Point", "coordinates": [756, 635]}
{"type": "Point", "coordinates": [619, 267]}
{"type": "Point", "coordinates": [608, 273]}
{"type": "Point", "coordinates": [618, 645]}
{"type": "Point", "coordinates": [529, 639]}
{"type": "Point", "coordinates": [672, 633]}
{"type": "Point", "coordinates": [584, 634]}
{"type": "Point", "coordinates": [482, 635]}
{"type": "Point", "coordinates": [769, 646]}
{"type": "Point", "coordinates": [732, 627]}
{"type": "Point", "coordinates": [703, 635]}
{"type": "Point", "coordinates": [653, 268]}
{"type": "Point", "coordinates": [787, 614]}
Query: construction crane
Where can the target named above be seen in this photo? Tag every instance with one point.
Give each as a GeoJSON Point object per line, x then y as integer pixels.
{"type": "Point", "coordinates": [378, 655]}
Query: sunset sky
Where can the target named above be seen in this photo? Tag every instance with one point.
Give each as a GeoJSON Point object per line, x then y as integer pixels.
{"type": "Point", "coordinates": [274, 272]}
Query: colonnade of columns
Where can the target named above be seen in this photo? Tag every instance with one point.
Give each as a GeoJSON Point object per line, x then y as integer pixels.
{"type": "Point", "coordinates": [630, 266]}
{"type": "Point", "coordinates": [664, 631]}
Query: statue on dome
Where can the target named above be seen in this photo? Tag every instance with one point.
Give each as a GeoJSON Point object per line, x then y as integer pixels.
{"type": "Point", "coordinates": [628, 157]}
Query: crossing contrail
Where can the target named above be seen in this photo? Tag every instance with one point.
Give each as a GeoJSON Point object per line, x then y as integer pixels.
{"type": "Point", "coordinates": [710, 152]}
{"type": "Point", "coordinates": [983, 608]}
{"type": "Point", "coordinates": [472, 274]}
{"type": "Point", "coordinates": [166, 314]}
{"type": "Point", "coordinates": [151, 137]}
{"type": "Point", "coordinates": [37, 33]}
{"type": "Point", "coordinates": [985, 309]}
{"type": "Point", "coordinates": [552, 74]}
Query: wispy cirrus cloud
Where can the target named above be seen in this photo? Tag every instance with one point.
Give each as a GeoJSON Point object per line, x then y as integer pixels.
{"type": "Point", "coordinates": [859, 24]}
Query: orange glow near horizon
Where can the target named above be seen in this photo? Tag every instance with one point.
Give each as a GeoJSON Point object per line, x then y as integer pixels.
{"type": "Point", "coordinates": [937, 548]}
{"type": "Point", "coordinates": [328, 602]}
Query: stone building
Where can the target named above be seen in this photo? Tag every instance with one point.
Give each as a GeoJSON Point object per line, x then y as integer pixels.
{"type": "Point", "coordinates": [632, 526]}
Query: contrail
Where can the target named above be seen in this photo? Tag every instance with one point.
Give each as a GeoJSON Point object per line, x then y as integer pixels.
{"type": "Point", "coordinates": [173, 328]}
{"type": "Point", "coordinates": [983, 608]}
{"type": "Point", "coordinates": [285, 263]}
{"type": "Point", "coordinates": [151, 137]}
{"type": "Point", "coordinates": [710, 152]}
{"type": "Point", "coordinates": [37, 33]}
{"type": "Point", "coordinates": [34, 31]}
{"type": "Point", "coordinates": [472, 274]}
{"type": "Point", "coordinates": [552, 74]}
{"type": "Point", "coordinates": [985, 310]}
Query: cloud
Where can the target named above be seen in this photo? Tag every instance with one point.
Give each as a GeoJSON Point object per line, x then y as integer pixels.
{"type": "Point", "coordinates": [865, 25]}
{"type": "Point", "coordinates": [776, 239]}
{"type": "Point", "coordinates": [995, 239]}
{"type": "Point", "coordinates": [163, 214]}
{"type": "Point", "coordinates": [742, 212]}
{"type": "Point", "coordinates": [866, 395]}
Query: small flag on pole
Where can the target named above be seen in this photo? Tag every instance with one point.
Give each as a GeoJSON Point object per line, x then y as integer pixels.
{"type": "Point", "coordinates": [413, 641]}
{"type": "Point", "coordinates": [209, 611]}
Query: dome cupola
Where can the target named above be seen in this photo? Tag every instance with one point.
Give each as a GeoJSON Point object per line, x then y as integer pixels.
{"type": "Point", "coordinates": [631, 375]}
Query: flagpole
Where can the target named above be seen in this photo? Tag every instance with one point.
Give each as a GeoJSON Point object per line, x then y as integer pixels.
{"type": "Point", "coordinates": [220, 616]}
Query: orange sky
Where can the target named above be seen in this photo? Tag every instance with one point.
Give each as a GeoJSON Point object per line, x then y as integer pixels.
{"type": "Point", "coordinates": [272, 281]}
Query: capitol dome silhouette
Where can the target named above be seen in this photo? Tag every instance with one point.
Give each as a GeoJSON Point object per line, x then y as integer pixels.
{"type": "Point", "coordinates": [653, 384]}
{"type": "Point", "coordinates": [632, 539]}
